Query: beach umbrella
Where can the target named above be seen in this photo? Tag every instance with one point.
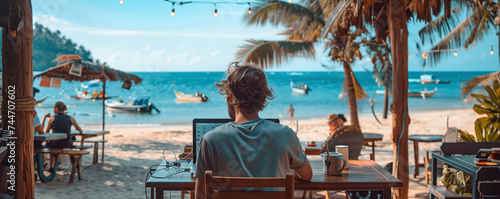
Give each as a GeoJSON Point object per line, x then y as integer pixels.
{"type": "Point", "coordinates": [73, 68]}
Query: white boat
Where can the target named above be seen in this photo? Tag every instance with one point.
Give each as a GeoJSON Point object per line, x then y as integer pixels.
{"type": "Point", "coordinates": [182, 97]}
{"type": "Point", "coordinates": [423, 94]}
{"type": "Point", "coordinates": [299, 88]}
{"type": "Point", "coordinates": [138, 105]}
{"type": "Point", "coordinates": [427, 79]}
{"type": "Point", "coordinates": [83, 93]}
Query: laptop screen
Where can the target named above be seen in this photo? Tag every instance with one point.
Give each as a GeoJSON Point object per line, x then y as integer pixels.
{"type": "Point", "coordinates": [203, 126]}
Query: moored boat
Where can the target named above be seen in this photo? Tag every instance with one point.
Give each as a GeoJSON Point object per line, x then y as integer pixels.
{"type": "Point", "coordinates": [182, 97]}
{"type": "Point", "coordinates": [138, 105]}
{"type": "Point", "coordinates": [299, 88]}
{"type": "Point", "coordinates": [423, 94]}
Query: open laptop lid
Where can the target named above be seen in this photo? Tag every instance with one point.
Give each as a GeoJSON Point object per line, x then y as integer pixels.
{"type": "Point", "coordinates": [201, 126]}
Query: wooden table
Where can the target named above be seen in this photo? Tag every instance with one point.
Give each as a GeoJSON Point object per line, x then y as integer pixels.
{"type": "Point", "coordinates": [316, 149]}
{"type": "Point", "coordinates": [466, 164]}
{"type": "Point", "coordinates": [361, 175]}
{"type": "Point", "coordinates": [421, 138]}
{"type": "Point", "coordinates": [372, 137]}
{"type": "Point", "coordinates": [90, 134]}
{"type": "Point", "coordinates": [50, 136]}
{"type": "Point", "coordinates": [312, 149]}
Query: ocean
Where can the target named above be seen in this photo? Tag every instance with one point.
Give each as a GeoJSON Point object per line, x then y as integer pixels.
{"type": "Point", "coordinates": [321, 101]}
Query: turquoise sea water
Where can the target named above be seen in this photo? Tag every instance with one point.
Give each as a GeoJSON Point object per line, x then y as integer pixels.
{"type": "Point", "coordinates": [322, 101]}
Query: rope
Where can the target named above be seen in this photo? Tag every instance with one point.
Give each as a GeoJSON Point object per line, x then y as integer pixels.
{"type": "Point", "coordinates": [21, 104]}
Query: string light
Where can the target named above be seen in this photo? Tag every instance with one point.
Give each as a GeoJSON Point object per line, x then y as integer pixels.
{"type": "Point", "coordinates": [249, 9]}
{"type": "Point", "coordinates": [338, 59]}
{"type": "Point", "coordinates": [324, 58]}
{"type": "Point", "coordinates": [121, 1]}
{"type": "Point", "coordinates": [368, 59]}
{"type": "Point", "coordinates": [215, 12]}
{"type": "Point", "coordinates": [409, 56]}
{"type": "Point", "coordinates": [455, 53]}
{"type": "Point", "coordinates": [424, 55]}
{"type": "Point", "coordinates": [173, 10]}
{"type": "Point", "coordinates": [289, 1]}
{"type": "Point", "coordinates": [492, 52]}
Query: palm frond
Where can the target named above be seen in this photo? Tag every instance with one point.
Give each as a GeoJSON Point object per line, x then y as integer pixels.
{"type": "Point", "coordinates": [360, 93]}
{"type": "Point", "coordinates": [268, 53]}
{"type": "Point", "coordinates": [455, 39]}
{"type": "Point", "coordinates": [335, 17]}
{"type": "Point", "coordinates": [484, 80]}
{"type": "Point", "coordinates": [481, 27]}
{"type": "Point", "coordinates": [441, 26]}
{"type": "Point", "coordinates": [279, 13]}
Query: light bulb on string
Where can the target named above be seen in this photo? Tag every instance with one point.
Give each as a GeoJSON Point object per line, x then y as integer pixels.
{"type": "Point", "coordinates": [455, 53]}
{"type": "Point", "coordinates": [409, 56]}
{"type": "Point", "coordinates": [324, 58]}
{"type": "Point", "coordinates": [289, 1]}
{"type": "Point", "coordinates": [492, 52]}
{"type": "Point", "coordinates": [424, 55]}
{"type": "Point", "coordinates": [215, 12]}
{"type": "Point", "coordinates": [368, 58]}
{"type": "Point", "coordinates": [121, 1]}
{"type": "Point", "coordinates": [249, 9]}
{"type": "Point", "coordinates": [172, 13]}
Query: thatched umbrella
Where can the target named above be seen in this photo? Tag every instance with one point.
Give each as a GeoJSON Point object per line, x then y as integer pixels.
{"type": "Point", "coordinates": [68, 69]}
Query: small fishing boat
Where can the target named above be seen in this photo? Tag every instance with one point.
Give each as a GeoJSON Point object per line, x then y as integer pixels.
{"type": "Point", "coordinates": [182, 97]}
{"type": "Point", "coordinates": [427, 79]}
{"type": "Point", "coordinates": [82, 93]}
{"type": "Point", "coordinates": [138, 105]}
{"type": "Point", "coordinates": [423, 94]}
{"type": "Point", "coordinates": [299, 88]}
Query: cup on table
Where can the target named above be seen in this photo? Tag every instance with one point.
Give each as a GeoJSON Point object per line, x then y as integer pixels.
{"type": "Point", "coordinates": [333, 163]}
{"type": "Point", "coordinates": [344, 150]}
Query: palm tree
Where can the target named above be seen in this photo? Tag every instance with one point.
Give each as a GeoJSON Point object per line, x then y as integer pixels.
{"type": "Point", "coordinates": [382, 68]}
{"type": "Point", "coordinates": [462, 34]}
{"type": "Point", "coordinates": [305, 26]}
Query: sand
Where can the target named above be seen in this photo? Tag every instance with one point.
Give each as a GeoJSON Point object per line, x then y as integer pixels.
{"type": "Point", "coordinates": [131, 150]}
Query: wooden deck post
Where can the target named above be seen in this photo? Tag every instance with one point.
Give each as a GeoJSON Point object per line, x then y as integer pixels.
{"type": "Point", "coordinates": [18, 104]}
{"type": "Point", "coordinates": [400, 117]}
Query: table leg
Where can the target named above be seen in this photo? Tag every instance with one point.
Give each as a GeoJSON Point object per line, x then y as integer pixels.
{"type": "Point", "coordinates": [387, 193]}
{"type": "Point", "coordinates": [159, 193]}
{"type": "Point", "coordinates": [373, 150]}
{"type": "Point", "coordinates": [152, 192]}
{"type": "Point", "coordinates": [102, 156]}
{"type": "Point", "coordinates": [415, 150]}
{"type": "Point", "coordinates": [434, 171]}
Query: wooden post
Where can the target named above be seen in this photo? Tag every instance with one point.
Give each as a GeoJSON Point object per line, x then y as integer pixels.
{"type": "Point", "coordinates": [18, 104]}
{"type": "Point", "coordinates": [400, 117]}
{"type": "Point", "coordinates": [103, 103]}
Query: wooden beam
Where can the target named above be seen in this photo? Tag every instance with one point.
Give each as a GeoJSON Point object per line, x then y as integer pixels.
{"type": "Point", "coordinates": [398, 38]}
{"type": "Point", "coordinates": [18, 105]}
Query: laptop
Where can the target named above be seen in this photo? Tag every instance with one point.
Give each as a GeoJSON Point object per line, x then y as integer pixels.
{"type": "Point", "coordinates": [203, 126]}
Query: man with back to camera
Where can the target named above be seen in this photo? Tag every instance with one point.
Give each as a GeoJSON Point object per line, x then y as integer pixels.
{"type": "Point", "coordinates": [249, 146]}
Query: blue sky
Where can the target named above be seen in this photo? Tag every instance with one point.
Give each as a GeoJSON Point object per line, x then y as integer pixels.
{"type": "Point", "coordinates": [141, 35]}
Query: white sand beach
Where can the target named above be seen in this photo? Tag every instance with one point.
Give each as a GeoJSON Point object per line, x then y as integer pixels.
{"type": "Point", "coordinates": [131, 151]}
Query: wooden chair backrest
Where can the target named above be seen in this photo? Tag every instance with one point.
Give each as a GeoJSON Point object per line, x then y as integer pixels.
{"type": "Point", "coordinates": [351, 137]}
{"type": "Point", "coordinates": [217, 186]}
{"type": "Point", "coordinates": [467, 148]}
{"type": "Point", "coordinates": [489, 189]}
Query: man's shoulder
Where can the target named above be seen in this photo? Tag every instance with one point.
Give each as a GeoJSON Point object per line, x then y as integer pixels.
{"type": "Point", "coordinates": [273, 126]}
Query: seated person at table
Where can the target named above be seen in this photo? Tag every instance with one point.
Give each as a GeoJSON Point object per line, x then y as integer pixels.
{"type": "Point", "coordinates": [334, 122]}
{"type": "Point", "coordinates": [249, 146]}
{"type": "Point", "coordinates": [61, 123]}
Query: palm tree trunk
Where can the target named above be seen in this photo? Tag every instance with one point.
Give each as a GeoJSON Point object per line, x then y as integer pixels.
{"type": "Point", "coordinates": [386, 101]}
{"type": "Point", "coordinates": [351, 94]}
{"type": "Point", "coordinates": [398, 38]}
{"type": "Point", "coordinates": [18, 106]}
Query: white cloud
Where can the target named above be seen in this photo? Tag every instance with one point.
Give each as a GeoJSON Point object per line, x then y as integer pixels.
{"type": "Point", "coordinates": [215, 53]}
{"type": "Point", "coordinates": [148, 47]}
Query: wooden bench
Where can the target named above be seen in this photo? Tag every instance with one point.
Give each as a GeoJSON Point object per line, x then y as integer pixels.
{"type": "Point", "coordinates": [438, 192]}
{"type": "Point", "coordinates": [75, 156]}
{"type": "Point", "coordinates": [95, 159]}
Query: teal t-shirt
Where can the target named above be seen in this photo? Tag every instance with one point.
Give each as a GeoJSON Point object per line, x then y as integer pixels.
{"type": "Point", "coordinates": [258, 148]}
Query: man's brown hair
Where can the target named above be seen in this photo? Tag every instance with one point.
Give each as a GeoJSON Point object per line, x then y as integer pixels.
{"type": "Point", "coordinates": [248, 86]}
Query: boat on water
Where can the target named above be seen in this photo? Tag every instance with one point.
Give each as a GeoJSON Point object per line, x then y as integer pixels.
{"type": "Point", "coordinates": [137, 105]}
{"type": "Point", "coordinates": [182, 97]}
{"type": "Point", "coordinates": [427, 79]}
{"type": "Point", "coordinates": [423, 94]}
{"type": "Point", "coordinates": [83, 93]}
{"type": "Point", "coordinates": [299, 88]}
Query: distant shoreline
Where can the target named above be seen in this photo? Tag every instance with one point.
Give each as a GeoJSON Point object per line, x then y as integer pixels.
{"type": "Point", "coordinates": [283, 120]}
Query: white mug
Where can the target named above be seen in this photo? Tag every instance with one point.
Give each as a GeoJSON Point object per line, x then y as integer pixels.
{"type": "Point", "coordinates": [333, 163]}
{"type": "Point", "coordinates": [344, 150]}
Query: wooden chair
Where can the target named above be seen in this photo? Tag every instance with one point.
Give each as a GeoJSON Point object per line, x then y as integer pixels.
{"type": "Point", "coordinates": [217, 186]}
{"type": "Point", "coordinates": [349, 136]}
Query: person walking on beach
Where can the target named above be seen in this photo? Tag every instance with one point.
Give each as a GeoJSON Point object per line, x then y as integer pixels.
{"type": "Point", "coordinates": [249, 146]}
{"type": "Point", "coordinates": [290, 112]}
